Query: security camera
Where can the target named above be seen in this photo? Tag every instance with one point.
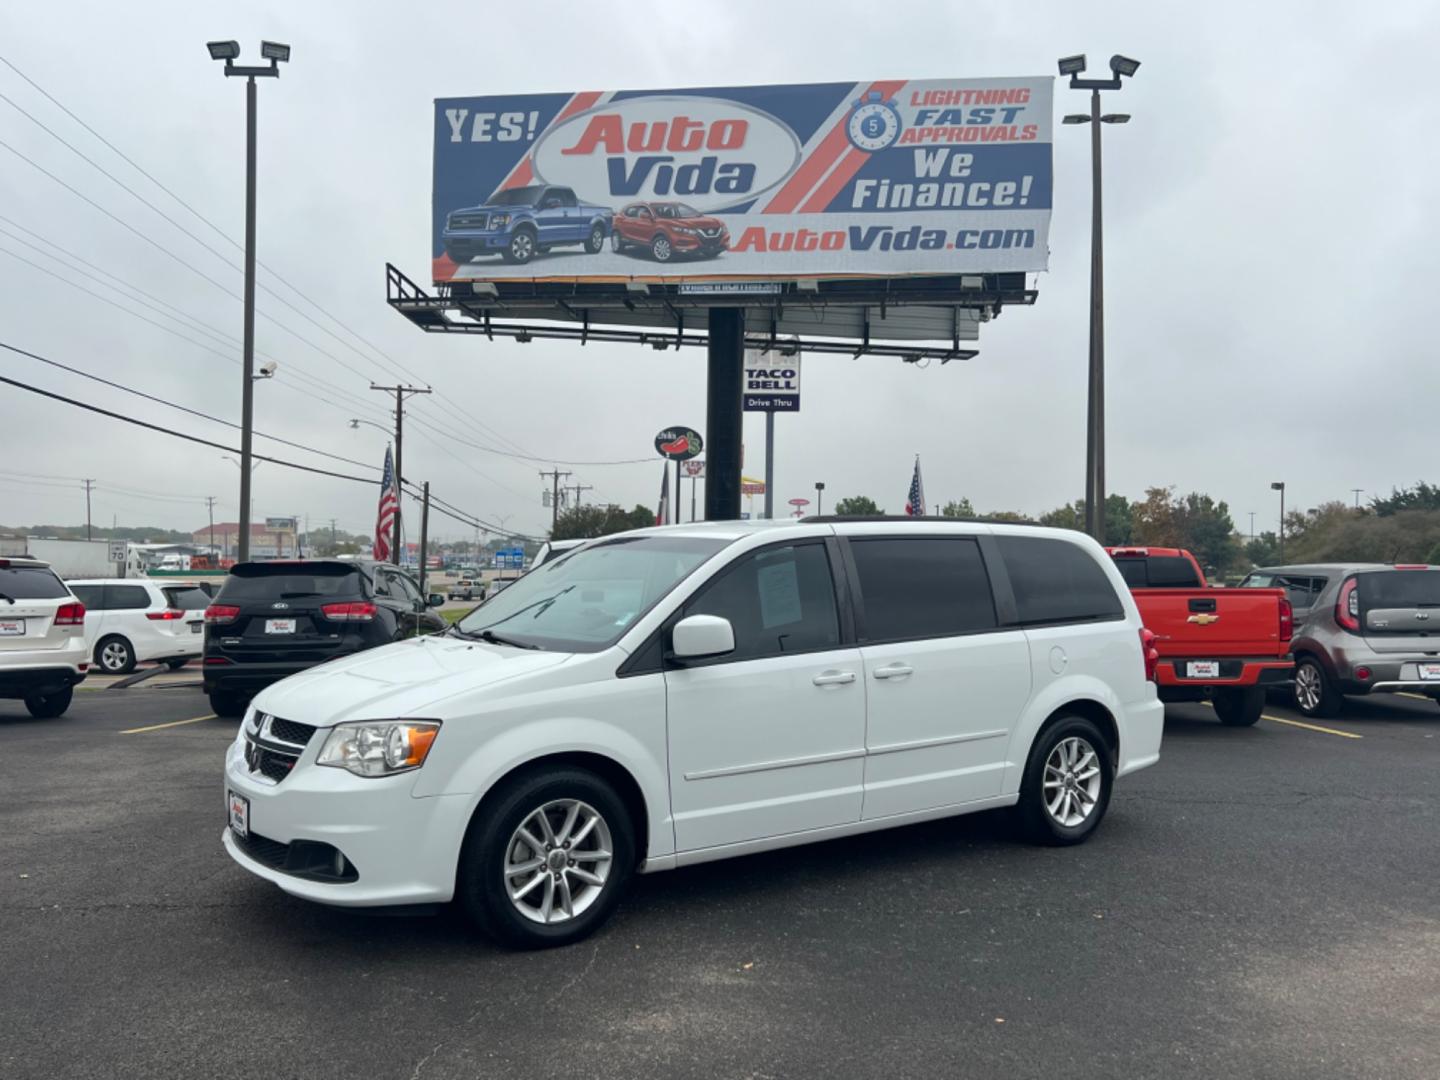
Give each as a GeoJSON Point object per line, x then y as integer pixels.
{"type": "Point", "coordinates": [267, 370]}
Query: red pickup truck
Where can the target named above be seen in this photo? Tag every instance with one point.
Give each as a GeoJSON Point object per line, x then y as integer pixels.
{"type": "Point", "coordinates": [1222, 645]}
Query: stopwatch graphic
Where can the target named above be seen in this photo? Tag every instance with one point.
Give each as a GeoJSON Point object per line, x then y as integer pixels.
{"type": "Point", "coordinates": [874, 123]}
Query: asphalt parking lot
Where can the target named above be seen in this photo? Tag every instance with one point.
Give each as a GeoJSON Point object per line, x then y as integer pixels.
{"type": "Point", "coordinates": [1262, 903]}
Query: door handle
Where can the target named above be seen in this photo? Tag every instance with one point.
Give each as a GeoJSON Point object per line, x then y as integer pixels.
{"type": "Point", "coordinates": [833, 678]}
{"type": "Point", "coordinates": [894, 671]}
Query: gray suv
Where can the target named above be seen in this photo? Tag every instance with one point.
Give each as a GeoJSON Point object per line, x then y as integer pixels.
{"type": "Point", "coordinates": [1360, 628]}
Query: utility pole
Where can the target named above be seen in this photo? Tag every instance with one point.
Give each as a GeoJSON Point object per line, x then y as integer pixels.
{"type": "Point", "coordinates": [424, 535]}
{"type": "Point", "coordinates": [401, 393]}
{"type": "Point", "coordinates": [1357, 492]}
{"type": "Point", "coordinates": [210, 507]}
{"type": "Point", "coordinates": [578, 488]}
{"type": "Point", "coordinates": [1252, 525]}
{"type": "Point", "coordinates": [88, 485]}
{"type": "Point", "coordinates": [555, 476]}
{"type": "Point", "coordinates": [333, 545]}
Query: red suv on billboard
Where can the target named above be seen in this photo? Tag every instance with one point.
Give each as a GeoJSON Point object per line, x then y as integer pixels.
{"type": "Point", "coordinates": [668, 229]}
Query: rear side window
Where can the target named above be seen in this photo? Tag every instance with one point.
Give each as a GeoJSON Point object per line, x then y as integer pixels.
{"type": "Point", "coordinates": [31, 583]}
{"type": "Point", "coordinates": [778, 600]}
{"type": "Point", "coordinates": [923, 587]}
{"type": "Point", "coordinates": [1056, 581]}
{"type": "Point", "coordinates": [262, 584]}
{"type": "Point", "coordinates": [126, 597]}
{"type": "Point", "coordinates": [92, 596]}
{"type": "Point", "coordinates": [186, 598]}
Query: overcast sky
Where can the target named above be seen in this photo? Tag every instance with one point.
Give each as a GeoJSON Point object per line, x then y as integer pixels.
{"type": "Point", "coordinates": [1271, 239]}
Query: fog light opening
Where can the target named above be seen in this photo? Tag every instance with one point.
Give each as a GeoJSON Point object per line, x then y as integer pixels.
{"type": "Point", "coordinates": [1362, 673]}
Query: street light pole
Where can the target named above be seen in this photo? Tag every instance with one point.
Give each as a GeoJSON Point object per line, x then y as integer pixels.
{"type": "Point", "coordinates": [276, 54]}
{"type": "Point", "coordinates": [1279, 486]}
{"type": "Point", "coordinates": [1095, 409]}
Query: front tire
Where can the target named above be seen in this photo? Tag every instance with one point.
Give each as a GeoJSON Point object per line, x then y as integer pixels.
{"type": "Point", "coordinates": [617, 245]}
{"type": "Point", "coordinates": [522, 247]}
{"type": "Point", "coordinates": [1239, 708]}
{"type": "Point", "coordinates": [1067, 782]}
{"type": "Point", "coordinates": [226, 705]}
{"type": "Point", "coordinates": [661, 249]}
{"type": "Point", "coordinates": [115, 655]}
{"type": "Point", "coordinates": [1315, 694]}
{"type": "Point", "coordinates": [49, 706]}
{"type": "Point", "coordinates": [547, 859]}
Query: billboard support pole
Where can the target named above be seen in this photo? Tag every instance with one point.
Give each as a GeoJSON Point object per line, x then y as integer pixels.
{"type": "Point", "coordinates": [424, 535]}
{"type": "Point", "coordinates": [725, 379]}
{"type": "Point", "coordinates": [676, 514]}
{"type": "Point", "coordinates": [769, 464]}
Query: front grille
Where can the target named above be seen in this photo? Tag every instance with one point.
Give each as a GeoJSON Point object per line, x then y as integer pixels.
{"type": "Point", "coordinates": [710, 234]}
{"type": "Point", "coordinates": [468, 221]}
{"type": "Point", "coordinates": [304, 858]}
{"type": "Point", "coordinates": [271, 763]}
{"type": "Point", "coordinates": [262, 849]}
{"type": "Point", "coordinates": [291, 731]}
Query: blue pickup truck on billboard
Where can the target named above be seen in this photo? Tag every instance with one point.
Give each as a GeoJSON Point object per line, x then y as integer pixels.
{"type": "Point", "coordinates": [834, 179]}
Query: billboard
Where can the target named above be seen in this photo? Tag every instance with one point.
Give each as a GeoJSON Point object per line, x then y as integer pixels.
{"type": "Point", "coordinates": [886, 178]}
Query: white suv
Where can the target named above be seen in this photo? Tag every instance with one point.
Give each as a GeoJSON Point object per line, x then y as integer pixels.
{"type": "Point", "coordinates": [42, 637]}
{"type": "Point", "coordinates": [132, 620]}
{"type": "Point", "coordinates": [675, 695]}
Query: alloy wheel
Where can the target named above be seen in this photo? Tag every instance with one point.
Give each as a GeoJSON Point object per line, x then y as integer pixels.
{"type": "Point", "coordinates": [522, 247]}
{"type": "Point", "coordinates": [1072, 782]}
{"type": "Point", "coordinates": [1308, 690]}
{"type": "Point", "coordinates": [661, 249]}
{"type": "Point", "coordinates": [557, 861]}
{"type": "Point", "coordinates": [114, 656]}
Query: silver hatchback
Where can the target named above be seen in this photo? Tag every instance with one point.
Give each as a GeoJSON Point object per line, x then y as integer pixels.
{"type": "Point", "coordinates": [1360, 628]}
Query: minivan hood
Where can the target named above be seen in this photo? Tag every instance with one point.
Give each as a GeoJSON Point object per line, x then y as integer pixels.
{"type": "Point", "coordinates": [399, 680]}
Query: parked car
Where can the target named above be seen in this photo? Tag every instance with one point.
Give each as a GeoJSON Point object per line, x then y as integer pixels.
{"type": "Point", "coordinates": [42, 637]}
{"type": "Point", "coordinates": [275, 618]}
{"type": "Point", "coordinates": [1225, 646]}
{"type": "Point", "coordinates": [465, 589]}
{"type": "Point", "coordinates": [520, 223]}
{"type": "Point", "coordinates": [667, 229]}
{"type": "Point", "coordinates": [676, 695]}
{"type": "Point", "coordinates": [553, 549]}
{"type": "Point", "coordinates": [130, 621]}
{"type": "Point", "coordinates": [1360, 628]}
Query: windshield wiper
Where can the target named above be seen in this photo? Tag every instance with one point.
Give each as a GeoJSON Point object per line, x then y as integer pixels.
{"type": "Point", "coordinates": [493, 638]}
{"type": "Point", "coordinates": [3, 596]}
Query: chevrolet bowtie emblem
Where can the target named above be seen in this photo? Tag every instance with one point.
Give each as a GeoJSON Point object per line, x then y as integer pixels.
{"type": "Point", "coordinates": [1203, 620]}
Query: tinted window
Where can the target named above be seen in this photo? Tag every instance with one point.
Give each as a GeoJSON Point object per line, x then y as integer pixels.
{"type": "Point", "coordinates": [1056, 581]}
{"type": "Point", "coordinates": [1133, 571]}
{"type": "Point", "coordinates": [31, 583]}
{"type": "Point", "coordinates": [258, 583]}
{"type": "Point", "coordinates": [92, 596]}
{"type": "Point", "coordinates": [1302, 591]}
{"type": "Point", "coordinates": [186, 597]}
{"type": "Point", "coordinates": [1172, 572]}
{"type": "Point", "coordinates": [405, 588]}
{"type": "Point", "coordinates": [126, 597]}
{"type": "Point", "coordinates": [779, 600]}
{"type": "Point", "coordinates": [1398, 589]}
{"type": "Point", "coordinates": [521, 196]}
{"type": "Point", "coordinates": [916, 588]}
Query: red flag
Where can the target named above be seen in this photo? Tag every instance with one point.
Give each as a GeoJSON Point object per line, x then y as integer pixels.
{"type": "Point", "coordinates": [389, 507]}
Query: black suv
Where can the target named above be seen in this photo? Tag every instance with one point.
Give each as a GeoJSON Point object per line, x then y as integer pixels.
{"type": "Point", "coordinates": [273, 619]}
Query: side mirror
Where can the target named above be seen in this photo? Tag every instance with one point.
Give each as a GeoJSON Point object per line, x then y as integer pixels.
{"type": "Point", "coordinates": [698, 636]}
{"type": "Point", "coordinates": [436, 599]}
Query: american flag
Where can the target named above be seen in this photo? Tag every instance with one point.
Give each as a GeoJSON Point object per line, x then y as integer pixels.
{"type": "Point", "coordinates": [389, 507]}
{"type": "Point", "coordinates": [662, 515]}
{"type": "Point", "coordinates": [915, 504]}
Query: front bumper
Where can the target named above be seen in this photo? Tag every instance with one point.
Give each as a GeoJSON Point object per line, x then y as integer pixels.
{"type": "Point", "coordinates": [40, 679]}
{"type": "Point", "coordinates": [404, 850]}
{"type": "Point", "coordinates": [699, 244]}
{"type": "Point", "coordinates": [470, 243]}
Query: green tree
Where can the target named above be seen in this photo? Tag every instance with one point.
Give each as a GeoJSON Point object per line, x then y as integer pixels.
{"type": "Point", "coordinates": [588, 522]}
{"type": "Point", "coordinates": [1119, 521]}
{"type": "Point", "coordinates": [1264, 550]}
{"type": "Point", "coordinates": [1005, 515]}
{"type": "Point", "coordinates": [1422, 496]}
{"type": "Point", "coordinates": [1205, 529]}
{"type": "Point", "coordinates": [858, 506]}
{"type": "Point", "coordinates": [1069, 516]}
{"type": "Point", "coordinates": [961, 509]}
{"type": "Point", "coordinates": [1153, 521]}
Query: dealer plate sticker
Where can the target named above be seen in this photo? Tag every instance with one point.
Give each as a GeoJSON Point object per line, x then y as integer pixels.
{"type": "Point", "coordinates": [12, 627]}
{"type": "Point", "coordinates": [279, 626]}
{"type": "Point", "coordinates": [1202, 669]}
{"type": "Point", "coordinates": [1429, 672]}
{"type": "Point", "coordinates": [239, 814]}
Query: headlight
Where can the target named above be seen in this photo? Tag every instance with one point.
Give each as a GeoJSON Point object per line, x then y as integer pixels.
{"type": "Point", "coordinates": [685, 229]}
{"type": "Point", "coordinates": [499, 220]}
{"type": "Point", "coordinates": [379, 747]}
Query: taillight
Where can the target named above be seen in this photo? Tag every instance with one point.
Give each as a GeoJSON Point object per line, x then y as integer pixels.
{"type": "Point", "coordinates": [1151, 653]}
{"type": "Point", "coordinates": [1347, 606]}
{"type": "Point", "coordinates": [167, 615]}
{"type": "Point", "coordinates": [352, 611]}
{"type": "Point", "coordinates": [221, 613]}
{"type": "Point", "coordinates": [70, 614]}
{"type": "Point", "coordinates": [1287, 620]}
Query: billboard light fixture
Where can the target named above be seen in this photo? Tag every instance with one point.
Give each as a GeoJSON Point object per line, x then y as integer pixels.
{"type": "Point", "coordinates": [1123, 65]}
{"type": "Point", "coordinates": [1115, 118]}
{"type": "Point", "coordinates": [223, 50]}
{"type": "Point", "coordinates": [273, 50]}
{"type": "Point", "coordinates": [1076, 118]}
{"type": "Point", "coordinates": [1072, 65]}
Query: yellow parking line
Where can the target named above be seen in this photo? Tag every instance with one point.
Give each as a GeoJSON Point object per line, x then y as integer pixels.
{"type": "Point", "coordinates": [172, 723]}
{"type": "Point", "coordinates": [1312, 727]}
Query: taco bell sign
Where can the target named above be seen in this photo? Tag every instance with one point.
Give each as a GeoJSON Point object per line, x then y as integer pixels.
{"type": "Point", "coordinates": [772, 382]}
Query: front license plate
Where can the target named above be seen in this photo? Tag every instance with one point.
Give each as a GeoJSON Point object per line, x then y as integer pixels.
{"type": "Point", "coordinates": [239, 814]}
{"type": "Point", "coordinates": [12, 627]}
{"type": "Point", "coordinates": [1202, 669]}
{"type": "Point", "coordinates": [1429, 672]}
{"type": "Point", "coordinates": [279, 626]}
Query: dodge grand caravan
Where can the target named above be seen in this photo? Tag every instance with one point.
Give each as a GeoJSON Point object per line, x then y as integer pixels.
{"type": "Point", "coordinates": [675, 695]}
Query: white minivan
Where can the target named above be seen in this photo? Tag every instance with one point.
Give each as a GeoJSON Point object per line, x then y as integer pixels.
{"type": "Point", "coordinates": [675, 695]}
{"type": "Point", "coordinates": [130, 621]}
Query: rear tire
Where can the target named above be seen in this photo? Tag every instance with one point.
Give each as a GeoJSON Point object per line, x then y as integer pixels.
{"type": "Point", "coordinates": [49, 706]}
{"type": "Point", "coordinates": [177, 663]}
{"type": "Point", "coordinates": [494, 847]}
{"type": "Point", "coordinates": [226, 705]}
{"type": "Point", "coordinates": [597, 240]}
{"type": "Point", "coordinates": [1061, 802]}
{"type": "Point", "coordinates": [1315, 694]}
{"type": "Point", "coordinates": [115, 655]}
{"type": "Point", "coordinates": [617, 245]}
{"type": "Point", "coordinates": [1239, 708]}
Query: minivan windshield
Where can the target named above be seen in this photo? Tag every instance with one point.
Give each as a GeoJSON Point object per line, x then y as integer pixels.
{"type": "Point", "coordinates": [586, 599]}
